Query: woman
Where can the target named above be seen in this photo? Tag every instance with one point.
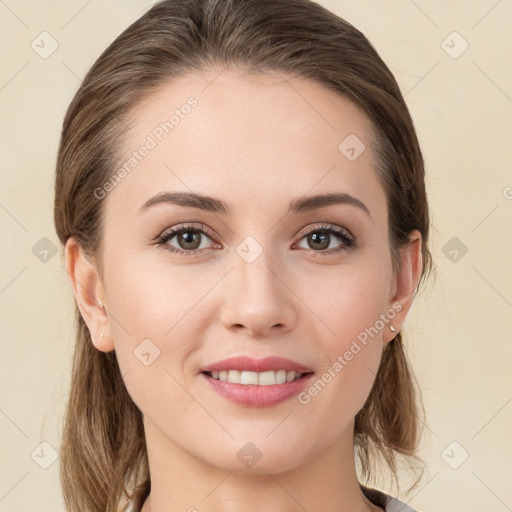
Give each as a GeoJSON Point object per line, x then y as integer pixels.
{"type": "Point", "coordinates": [240, 196]}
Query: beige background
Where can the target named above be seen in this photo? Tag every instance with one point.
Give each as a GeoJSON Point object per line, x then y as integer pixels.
{"type": "Point", "coordinates": [459, 329]}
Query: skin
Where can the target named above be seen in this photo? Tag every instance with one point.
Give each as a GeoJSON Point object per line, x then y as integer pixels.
{"type": "Point", "coordinates": [256, 142]}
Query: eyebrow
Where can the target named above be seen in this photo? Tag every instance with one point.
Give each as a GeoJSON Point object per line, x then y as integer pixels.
{"type": "Point", "coordinates": [207, 203]}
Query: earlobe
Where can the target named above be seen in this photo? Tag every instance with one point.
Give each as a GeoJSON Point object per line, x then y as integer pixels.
{"type": "Point", "coordinates": [88, 292]}
{"type": "Point", "coordinates": [406, 280]}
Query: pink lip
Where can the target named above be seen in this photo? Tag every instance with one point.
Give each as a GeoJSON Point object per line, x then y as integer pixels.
{"type": "Point", "coordinates": [257, 396]}
{"type": "Point", "coordinates": [249, 364]}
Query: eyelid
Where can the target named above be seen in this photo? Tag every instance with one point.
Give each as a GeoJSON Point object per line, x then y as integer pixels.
{"type": "Point", "coordinates": [183, 226]}
{"type": "Point", "coordinates": [327, 227]}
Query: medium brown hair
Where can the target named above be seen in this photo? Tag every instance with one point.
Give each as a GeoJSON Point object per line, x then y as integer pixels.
{"type": "Point", "coordinates": [103, 450]}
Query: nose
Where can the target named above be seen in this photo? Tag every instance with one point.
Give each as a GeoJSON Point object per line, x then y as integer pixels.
{"type": "Point", "coordinates": [258, 298]}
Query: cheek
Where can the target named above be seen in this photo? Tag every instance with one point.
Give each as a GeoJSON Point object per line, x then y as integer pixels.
{"type": "Point", "coordinates": [351, 359]}
{"type": "Point", "coordinates": [348, 304]}
{"type": "Point", "coordinates": [150, 296]}
{"type": "Point", "coordinates": [156, 310]}
{"type": "Point", "coordinates": [155, 327]}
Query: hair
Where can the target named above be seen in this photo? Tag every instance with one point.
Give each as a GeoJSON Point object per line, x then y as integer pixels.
{"type": "Point", "coordinates": [103, 449]}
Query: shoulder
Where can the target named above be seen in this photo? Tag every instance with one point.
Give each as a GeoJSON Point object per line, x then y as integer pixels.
{"type": "Point", "coordinates": [387, 502]}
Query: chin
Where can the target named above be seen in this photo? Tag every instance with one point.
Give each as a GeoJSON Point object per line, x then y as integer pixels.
{"type": "Point", "coordinates": [259, 457]}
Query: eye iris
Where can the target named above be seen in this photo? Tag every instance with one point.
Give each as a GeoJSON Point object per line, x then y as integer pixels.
{"type": "Point", "coordinates": [322, 237]}
{"type": "Point", "coordinates": [190, 237]}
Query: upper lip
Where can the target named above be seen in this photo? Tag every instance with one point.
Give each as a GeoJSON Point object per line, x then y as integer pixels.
{"type": "Point", "coordinates": [245, 363]}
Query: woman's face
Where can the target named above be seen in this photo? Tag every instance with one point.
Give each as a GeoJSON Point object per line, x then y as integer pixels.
{"type": "Point", "coordinates": [248, 281]}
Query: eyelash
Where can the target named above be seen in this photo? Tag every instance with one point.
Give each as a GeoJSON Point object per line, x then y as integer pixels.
{"type": "Point", "coordinates": [341, 234]}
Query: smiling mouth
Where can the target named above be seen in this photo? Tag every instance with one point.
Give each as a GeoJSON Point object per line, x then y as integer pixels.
{"type": "Point", "coordinates": [267, 378]}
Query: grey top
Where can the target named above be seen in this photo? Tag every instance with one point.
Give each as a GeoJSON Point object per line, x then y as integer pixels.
{"type": "Point", "coordinates": [385, 501]}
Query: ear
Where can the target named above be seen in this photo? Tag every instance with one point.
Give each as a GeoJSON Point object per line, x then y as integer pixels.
{"type": "Point", "coordinates": [405, 283]}
{"type": "Point", "coordinates": [89, 295]}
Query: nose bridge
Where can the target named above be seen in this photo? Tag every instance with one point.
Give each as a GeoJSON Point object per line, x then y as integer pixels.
{"type": "Point", "coordinates": [258, 299]}
{"type": "Point", "coordinates": [254, 271]}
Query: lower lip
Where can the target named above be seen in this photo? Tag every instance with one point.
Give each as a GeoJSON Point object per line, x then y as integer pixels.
{"type": "Point", "coordinates": [252, 395]}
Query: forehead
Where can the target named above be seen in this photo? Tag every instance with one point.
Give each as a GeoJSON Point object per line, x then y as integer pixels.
{"type": "Point", "coordinates": [246, 138]}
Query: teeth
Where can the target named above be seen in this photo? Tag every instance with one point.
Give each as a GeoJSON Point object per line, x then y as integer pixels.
{"type": "Point", "coordinates": [256, 378]}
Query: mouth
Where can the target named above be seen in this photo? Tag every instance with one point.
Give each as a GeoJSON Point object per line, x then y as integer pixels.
{"type": "Point", "coordinates": [256, 390]}
{"type": "Point", "coordinates": [253, 382]}
{"type": "Point", "coordinates": [250, 378]}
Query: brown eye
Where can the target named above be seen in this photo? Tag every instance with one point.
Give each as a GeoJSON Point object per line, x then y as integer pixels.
{"type": "Point", "coordinates": [318, 239]}
{"type": "Point", "coordinates": [188, 239]}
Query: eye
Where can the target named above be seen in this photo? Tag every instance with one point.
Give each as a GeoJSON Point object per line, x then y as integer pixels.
{"type": "Point", "coordinates": [188, 238]}
{"type": "Point", "coordinates": [320, 237]}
